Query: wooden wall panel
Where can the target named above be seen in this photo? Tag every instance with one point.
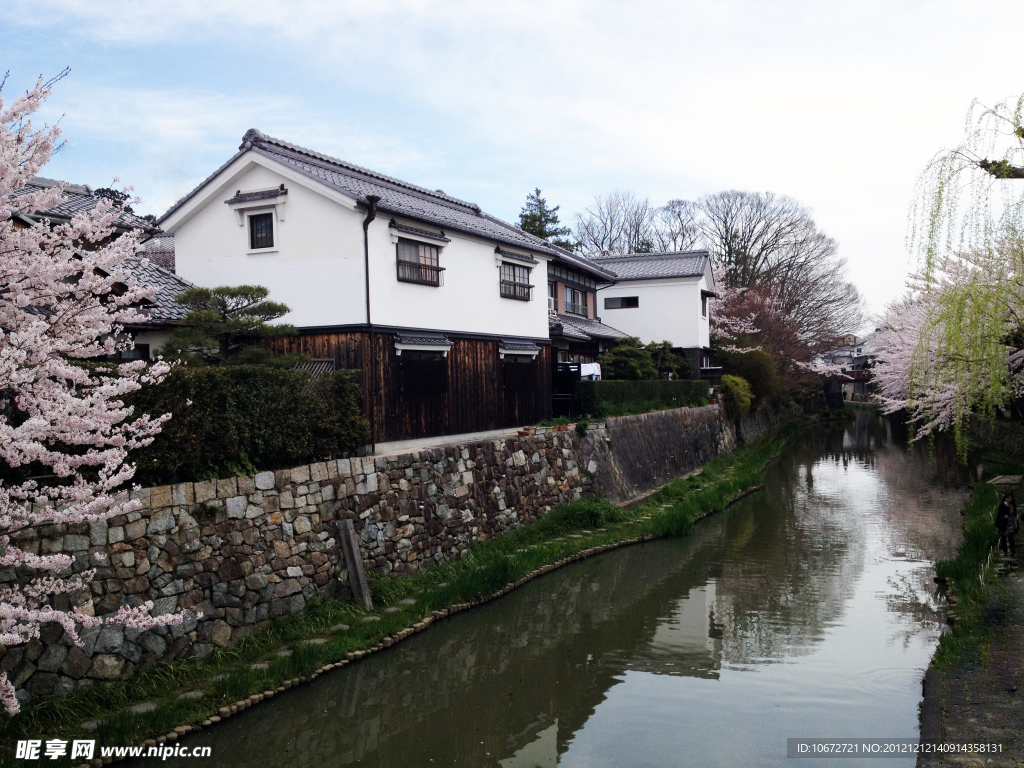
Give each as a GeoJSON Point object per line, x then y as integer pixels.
{"type": "Point", "coordinates": [475, 401]}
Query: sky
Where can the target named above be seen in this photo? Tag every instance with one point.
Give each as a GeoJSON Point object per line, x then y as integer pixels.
{"type": "Point", "coordinates": [839, 105]}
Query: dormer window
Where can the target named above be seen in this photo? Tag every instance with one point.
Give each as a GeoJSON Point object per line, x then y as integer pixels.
{"type": "Point", "coordinates": [260, 212]}
{"type": "Point", "coordinates": [261, 231]}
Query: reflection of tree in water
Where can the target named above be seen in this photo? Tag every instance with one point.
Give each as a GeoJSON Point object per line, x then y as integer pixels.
{"type": "Point", "coordinates": [795, 554]}
{"type": "Point", "coordinates": [798, 548]}
{"type": "Point", "coordinates": [516, 680]}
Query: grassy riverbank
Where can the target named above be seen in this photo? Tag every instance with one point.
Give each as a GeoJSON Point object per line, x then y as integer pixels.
{"type": "Point", "coordinates": [968, 575]}
{"type": "Point", "coordinates": [296, 649]}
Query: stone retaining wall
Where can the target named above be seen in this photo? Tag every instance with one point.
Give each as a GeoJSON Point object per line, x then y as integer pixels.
{"type": "Point", "coordinates": [245, 550]}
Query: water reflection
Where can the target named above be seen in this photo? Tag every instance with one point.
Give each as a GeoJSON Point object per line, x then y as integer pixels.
{"type": "Point", "coordinates": [807, 610]}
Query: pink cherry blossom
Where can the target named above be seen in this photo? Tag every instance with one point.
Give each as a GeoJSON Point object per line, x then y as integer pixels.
{"type": "Point", "coordinates": [64, 300]}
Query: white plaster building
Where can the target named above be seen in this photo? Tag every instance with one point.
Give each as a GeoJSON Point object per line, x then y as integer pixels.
{"type": "Point", "coordinates": [442, 306]}
{"type": "Point", "coordinates": [662, 297]}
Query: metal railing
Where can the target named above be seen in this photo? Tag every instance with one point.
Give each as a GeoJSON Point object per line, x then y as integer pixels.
{"type": "Point", "coordinates": [518, 291]}
{"type": "Point", "coordinates": [577, 309]}
{"type": "Point", "coordinates": [424, 274]}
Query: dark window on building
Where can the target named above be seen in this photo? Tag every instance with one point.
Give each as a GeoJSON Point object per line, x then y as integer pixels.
{"type": "Point", "coordinates": [515, 282]}
{"type": "Point", "coordinates": [418, 263]}
{"type": "Point", "coordinates": [553, 297]}
{"type": "Point", "coordinates": [138, 352]}
{"type": "Point", "coordinates": [576, 302]}
{"type": "Point", "coordinates": [704, 305]}
{"type": "Point", "coordinates": [424, 374]}
{"type": "Point", "coordinates": [520, 373]}
{"type": "Point", "coordinates": [622, 302]}
{"type": "Point", "coordinates": [261, 231]}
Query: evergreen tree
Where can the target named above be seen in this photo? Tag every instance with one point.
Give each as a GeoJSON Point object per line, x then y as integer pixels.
{"type": "Point", "coordinates": [540, 220]}
{"type": "Point", "coordinates": [226, 326]}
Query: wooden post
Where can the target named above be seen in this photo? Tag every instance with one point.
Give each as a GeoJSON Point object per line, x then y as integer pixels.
{"type": "Point", "coordinates": [354, 560]}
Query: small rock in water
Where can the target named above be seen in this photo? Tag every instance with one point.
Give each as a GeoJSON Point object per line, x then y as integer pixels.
{"type": "Point", "coordinates": [261, 665]}
{"type": "Point", "coordinates": [215, 678]}
{"type": "Point", "coordinates": [316, 641]}
{"type": "Point", "coordinates": [575, 536]}
{"type": "Point", "coordinates": [191, 695]}
{"type": "Point", "coordinates": [442, 585]}
{"type": "Point", "coordinates": [141, 709]}
{"type": "Point", "coordinates": [407, 601]}
{"type": "Point", "coordinates": [371, 618]}
{"type": "Point", "coordinates": [91, 725]}
{"type": "Point", "coordinates": [392, 609]}
{"type": "Point", "coordinates": [521, 550]}
{"type": "Point", "coordinates": [339, 628]}
{"type": "Point", "coordinates": [284, 653]}
{"type": "Point", "coordinates": [586, 531]}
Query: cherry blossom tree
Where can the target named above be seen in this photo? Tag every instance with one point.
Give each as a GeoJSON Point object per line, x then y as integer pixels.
{"type": "Point", "coordinates": [63, 303]}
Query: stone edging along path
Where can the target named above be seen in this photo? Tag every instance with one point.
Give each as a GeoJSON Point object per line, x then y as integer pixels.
{"type": "Point", "coordinates": [243, 704]}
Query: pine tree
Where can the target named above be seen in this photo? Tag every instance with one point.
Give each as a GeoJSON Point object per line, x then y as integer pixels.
{"type": "Point", "coordinates": [228, 325]}
{"type": "Point", "coordinates": [540, 220]}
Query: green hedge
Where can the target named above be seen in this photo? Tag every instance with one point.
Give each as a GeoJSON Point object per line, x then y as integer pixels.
{"type": "Point", "coordinates": [592, 395]}
{"type": "Point", "coordinates": [247, 417]}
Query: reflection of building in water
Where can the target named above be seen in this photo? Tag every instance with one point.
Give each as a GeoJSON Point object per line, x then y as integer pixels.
{"type": "Point", "coordinates": [689, 640]}
{"type": "Point", "coordinates": [540, 752]}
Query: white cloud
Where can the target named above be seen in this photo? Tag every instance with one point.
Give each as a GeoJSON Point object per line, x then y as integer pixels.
{"type": "Point", "coordinates": [839, 105]}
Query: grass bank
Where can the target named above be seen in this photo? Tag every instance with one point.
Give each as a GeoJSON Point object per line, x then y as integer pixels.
{"type": "Point", "coordinates": [967, 576]}
{"type": "Point", "coordinates": [195, 693]}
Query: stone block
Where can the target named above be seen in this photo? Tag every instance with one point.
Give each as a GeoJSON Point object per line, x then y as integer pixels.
{"type": "Point", "coordinates": [252, 511]}
{"type": "Point", "coordinates": [264, 481]}
{"type": "Point", "coordinates": [160, 497]}
{"type": "Point", "coordinates": [318, 472]}
{"type": "Point", "coordinates": [53, 658]}
{"type": "Point", "coordinates": [236, 506]}
{"type": "Point", "coordinates": [182, 494]}
{"type": "Point", "coordinates": [106, 667]}
{"type": "Point", "coordinates": [75, 543]}
{"type": "Point", "coordinates": [344, 468]}
{"type": "Point", "coordinates": [300, 474]}
{"type": "Point", "coordinates": [76, 664]}
{"type": "Point", "coordinates": [227, 488]}
{"type": "Point", "coordinates": [246, 485]}
{"type": "Point", "coordinates": [302, 524]}
{"type": "Point", "coordinates": [205, 491]}
{"type": "Point", "coordinates": [160, 522]}
{"type": "Point", "coordinates": [135, 530]}
{"type": "Point", "coordinates": [98, 533]}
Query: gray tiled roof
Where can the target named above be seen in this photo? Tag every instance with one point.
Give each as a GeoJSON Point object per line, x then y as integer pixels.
{"type": "Point", "coordinates": [652, 266]}
{"type": "Point", "coordinates": [424, 337]}
{"type": "Point", "coordinates": [581, 328]}
{"type": "Point", "coordinates": [78, 198]}
{"type": "Point", "coordinates": [160, 249]}
{"type": "Point", "coordinates": [396, 197]}
{"type": "Point", "coordinates": [161, 307]}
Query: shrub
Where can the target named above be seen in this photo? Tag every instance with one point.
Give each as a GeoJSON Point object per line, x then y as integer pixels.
{"type": "Point", "coordinates": [737, 394]}
{"type": "Point", "coordinates": [760, 371]}
{"type": "Point", "coordinates": [247, 417]}
{"type": "Point", "coordinates": [614, 395]}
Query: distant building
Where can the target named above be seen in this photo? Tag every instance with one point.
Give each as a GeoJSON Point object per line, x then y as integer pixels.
{"type": "Point", "coordinates": [663, 297]}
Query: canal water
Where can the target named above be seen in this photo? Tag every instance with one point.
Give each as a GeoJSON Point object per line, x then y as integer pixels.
{"type": "Point", "coordinates": [806, 610]}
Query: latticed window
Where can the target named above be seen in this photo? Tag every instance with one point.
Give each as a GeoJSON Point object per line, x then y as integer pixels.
{"type": "Point", "coordinates": [418, 263]}
{"type": "Point", "coordinates": [515, 282]}
{"type": "Point", "coordinates": [261, 231]}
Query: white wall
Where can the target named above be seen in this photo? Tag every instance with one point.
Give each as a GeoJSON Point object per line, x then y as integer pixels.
{"type": "Point", "coordinates": [155, 338]}
{"type": "Point", "coordinates": [317, 268]}
{"type": "Point", "coordinates": [470, 298]}
{"type": "Point", "coordinates": [670, 310]}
